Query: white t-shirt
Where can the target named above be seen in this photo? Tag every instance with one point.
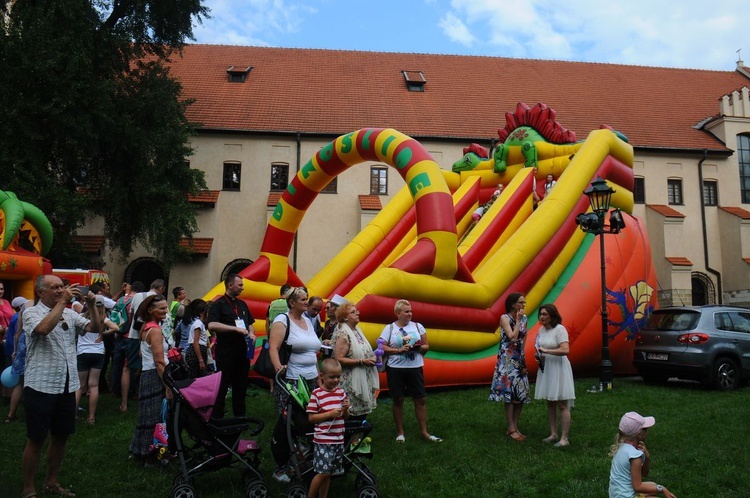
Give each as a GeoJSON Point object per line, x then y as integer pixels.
{"type": "Point", "coordinates": [620, 480]}
{"type": "Point", "coordinates": [203, 338]}
{"type": "Point", "coordinates": [394, 337]}
{"type": "Point", "coordinates": [305, 345]}
{"type": "Point", "coordinates": [87, 344]}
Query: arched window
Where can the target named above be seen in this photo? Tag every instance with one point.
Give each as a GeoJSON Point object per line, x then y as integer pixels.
{"type": "Point", "coordinates": [235, 266]}
{"type": "Point", "coordinates": [145, 270]}
{"type": "Point", "coordinates": [703, 289]}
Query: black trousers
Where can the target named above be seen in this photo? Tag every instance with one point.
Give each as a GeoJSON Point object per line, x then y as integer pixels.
{"type": "Point", "coordinates": [232, 362]}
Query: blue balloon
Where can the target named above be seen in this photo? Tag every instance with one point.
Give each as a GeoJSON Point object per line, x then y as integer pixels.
{"type": "Point", "coordinates": [8, 378]}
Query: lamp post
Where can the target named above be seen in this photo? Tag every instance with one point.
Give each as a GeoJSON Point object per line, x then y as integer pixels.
{"type": "Point", "coordinates": [600, 195]}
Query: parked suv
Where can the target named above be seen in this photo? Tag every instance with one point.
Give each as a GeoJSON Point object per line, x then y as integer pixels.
{"type": "Point", "coordinates": [710, 344]}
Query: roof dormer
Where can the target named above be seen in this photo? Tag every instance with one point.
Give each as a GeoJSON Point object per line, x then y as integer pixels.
{"type": "Point", "coordinates": [238, 74]}
{"type": "Point", "coordinates": [415, 80]}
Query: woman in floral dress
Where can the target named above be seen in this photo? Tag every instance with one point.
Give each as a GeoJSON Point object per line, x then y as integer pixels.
{"type": "Point", "coordinates": [510, 384]}
{"type": "Point", "coordinates": [359, 377]}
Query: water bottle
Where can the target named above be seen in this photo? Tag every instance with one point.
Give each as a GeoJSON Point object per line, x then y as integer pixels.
{"type": "Point", "coordinates": [250, 347]}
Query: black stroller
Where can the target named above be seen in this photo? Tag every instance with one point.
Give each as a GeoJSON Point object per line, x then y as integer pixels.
{"type": "Point", "coordinates": [212, 444]}
{"type": "Point", "coordinates": [292, 443]}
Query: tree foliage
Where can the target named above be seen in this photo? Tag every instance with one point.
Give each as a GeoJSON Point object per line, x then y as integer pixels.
{"type": "Point", "coordinates": [93, 124]}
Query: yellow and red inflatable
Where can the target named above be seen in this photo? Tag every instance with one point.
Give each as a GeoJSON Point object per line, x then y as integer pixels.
{"type": "Point", "coordinates": [424, 246]}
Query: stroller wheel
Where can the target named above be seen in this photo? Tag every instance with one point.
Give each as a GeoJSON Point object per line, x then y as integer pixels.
{"type": "Point", "coordinates": [256, 489]}
{"type": "Point", "coordinates": [180, 479]}
{"type": "Point", "coordinates": [296, 491]}
{"type": "Point", "coordinates": [368, 492]}
{"type": "Point", "coordinates": [361, 481]}
{"type": "Point", "coordinates": [183, 491]}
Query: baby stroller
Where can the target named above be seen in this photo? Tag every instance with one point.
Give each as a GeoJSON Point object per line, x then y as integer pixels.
{"type": "Point", "coordinates": [293, 440]}
{"type": "Point", "coordinates": [212, 444]}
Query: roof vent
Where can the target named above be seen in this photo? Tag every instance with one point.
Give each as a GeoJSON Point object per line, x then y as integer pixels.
{"type": "Point", "coordinates": [415, 80]}
{"type": "Point", "coordinates": [237, 74]}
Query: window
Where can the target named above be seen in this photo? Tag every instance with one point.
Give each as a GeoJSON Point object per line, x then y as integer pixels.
{"type": "Point", "coordinates": [378, 180]}
{"type": "Point", "coordinates": [743, 146]}
{"type": "Point", "coordinates": [415, 80]}
{"type": "Point", "coordinates": [732, 321]}
{"type": "Point", "coordinates": [232, 176]}
{"type": "Point", "coordinates": [674, 191]}
{"type": "Point", "coordinates": [710, 195]}
{"type": "Point", "coordinates": [639, 190]}
{"type": "Point", "coordinates": [279, 176]}
{"type": "Point", "coordinates": [238, 74]}
{"type": "Point", "coordinates": [332, 187]}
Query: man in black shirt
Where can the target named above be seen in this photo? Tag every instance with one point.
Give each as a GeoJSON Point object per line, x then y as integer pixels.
{"type": "Point", "coordinates": [230, 319]}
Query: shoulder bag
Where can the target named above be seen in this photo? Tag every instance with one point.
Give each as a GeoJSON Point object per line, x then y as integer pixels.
{"type": "Point", "coordinates": [263, 365]}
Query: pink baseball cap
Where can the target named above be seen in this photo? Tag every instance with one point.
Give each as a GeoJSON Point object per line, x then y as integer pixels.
{"type": "Point", "coordinates": [631, 423]}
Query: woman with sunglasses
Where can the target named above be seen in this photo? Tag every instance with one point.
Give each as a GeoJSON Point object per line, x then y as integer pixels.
{"type": "Point", "coordinates": [406, 344]}
{"type": "Point", "coordinates": [302, 364]}
{"type": "Point", "coordinates": [154, 348]}
{"type": "Point", "coordinates": [555, 382]}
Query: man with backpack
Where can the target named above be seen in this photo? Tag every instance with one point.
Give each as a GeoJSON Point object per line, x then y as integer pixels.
{"type": "Point", "coordinates": [120, 317]}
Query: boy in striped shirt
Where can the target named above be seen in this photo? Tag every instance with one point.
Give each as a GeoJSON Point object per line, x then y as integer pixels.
{"type": "Point", "coordinates": [328, 408]}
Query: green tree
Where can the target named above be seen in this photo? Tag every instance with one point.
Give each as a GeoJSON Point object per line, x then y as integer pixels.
{"type": "Point", "coordinates": [93, 123]}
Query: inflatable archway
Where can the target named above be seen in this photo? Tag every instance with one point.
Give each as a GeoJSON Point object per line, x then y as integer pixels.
{"type": "Point", "coordinates": [25, 237]}
{"type": "Point", "coordinates": [425, 247]}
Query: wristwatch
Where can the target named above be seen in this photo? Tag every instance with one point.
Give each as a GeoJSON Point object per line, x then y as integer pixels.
{"type": "Point", "coordinates": [659, 488]}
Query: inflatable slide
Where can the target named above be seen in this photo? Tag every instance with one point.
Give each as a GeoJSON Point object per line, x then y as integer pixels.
{"type": "Point", "coordinates": [427, 246]}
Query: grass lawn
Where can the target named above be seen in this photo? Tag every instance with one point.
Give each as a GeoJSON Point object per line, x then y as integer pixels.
{"type": "Point", "coordinates": [698, 448]}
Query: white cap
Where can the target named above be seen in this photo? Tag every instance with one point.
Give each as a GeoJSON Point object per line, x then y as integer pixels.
{"type": "Point", "coordinates": [338, 300]}
{"type": "Point", "coordinates": [18, 302]}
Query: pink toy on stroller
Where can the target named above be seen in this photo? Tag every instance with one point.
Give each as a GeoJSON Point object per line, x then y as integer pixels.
{"type": "Point", "coordinates": [211, 444]}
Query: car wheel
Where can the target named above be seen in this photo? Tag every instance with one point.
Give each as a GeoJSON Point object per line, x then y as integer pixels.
{"type": "Point", "coordinates": [726, 375]}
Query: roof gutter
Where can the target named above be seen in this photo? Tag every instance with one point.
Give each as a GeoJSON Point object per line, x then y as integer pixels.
{"type": "Point", "coordinates": [706, 261]}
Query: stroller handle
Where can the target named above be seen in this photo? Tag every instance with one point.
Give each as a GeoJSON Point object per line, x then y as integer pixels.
{"type": "Point", "coordinates": [259, 425]}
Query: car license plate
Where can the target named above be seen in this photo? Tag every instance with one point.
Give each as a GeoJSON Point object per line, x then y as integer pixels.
{"type": "Point", "coordinates": [657, 356]}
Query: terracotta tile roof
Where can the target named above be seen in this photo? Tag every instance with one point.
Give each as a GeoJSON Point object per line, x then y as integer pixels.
{"type": "Point", "coordinates": [273, 199]}
{"type": "Point", "coordinates": [371, 202]}
{"type": "Point", "coordinates": [205, 197]}
{"type": "Point", "coordinates": [679, 261]}
{"type": "Point", "coordinates": [465, 97]}
{"type": "Point", "coordinates": [90, 244]}
{"type": "Point", "coordinates": [737, 211]}
{"type": "Point", "coordinates": [666, 210]}
{"type": "Point", "coordinates": [201, 245]}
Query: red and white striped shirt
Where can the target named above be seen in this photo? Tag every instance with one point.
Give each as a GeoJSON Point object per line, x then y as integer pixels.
{"type": "Point", "coordinates": [329, 431]}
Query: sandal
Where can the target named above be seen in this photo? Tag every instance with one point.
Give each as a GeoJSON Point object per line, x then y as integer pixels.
{"type": "Point", "coordinates": [433, 439]}
{"type": "Point", "coordinates": [549, 439]}
{"type": "Point", "coordinates": [57, 489]}
{"type": "Point", "coordinates": [32, 494]}
{"type": "Point", "coordinates": [516, 436]}
{"type": "Point", "coordinates": [10, 419]}
{"type": "Point", "coordinates": [400, 438]}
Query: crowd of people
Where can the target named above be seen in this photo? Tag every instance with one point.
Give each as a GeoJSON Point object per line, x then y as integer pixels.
{"type": "Point", "coordinates": [60, 351]}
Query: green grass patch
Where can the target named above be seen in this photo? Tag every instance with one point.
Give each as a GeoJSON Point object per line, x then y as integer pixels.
{"type": "Point", "coordinates": [698, 448]}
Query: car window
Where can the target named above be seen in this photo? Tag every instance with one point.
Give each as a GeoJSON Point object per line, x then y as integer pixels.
{"type": "Point", "coordinates": [733, 321]}
{"type": "Point", "coordinates": [676, 321]}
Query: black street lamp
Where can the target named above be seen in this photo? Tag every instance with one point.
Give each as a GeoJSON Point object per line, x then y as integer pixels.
{"type": "Point", "coordinates": [600, 194]}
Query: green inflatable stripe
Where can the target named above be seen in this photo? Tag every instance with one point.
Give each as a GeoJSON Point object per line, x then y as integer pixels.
{"type": "Point", "coordinates": [551, 296]}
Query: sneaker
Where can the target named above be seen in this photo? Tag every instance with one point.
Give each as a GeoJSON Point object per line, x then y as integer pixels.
{"type": "Point", "coordinates": [280, 475]}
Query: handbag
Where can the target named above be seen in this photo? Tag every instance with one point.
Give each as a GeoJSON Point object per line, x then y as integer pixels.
{"type": "Point", "coordinates": [263, 365]}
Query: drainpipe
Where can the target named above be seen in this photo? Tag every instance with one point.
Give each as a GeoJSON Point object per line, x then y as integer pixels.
{"type": "Point", "coordinates": [299, 155]}
{"type": "Point", "coordinates": [705, 231]}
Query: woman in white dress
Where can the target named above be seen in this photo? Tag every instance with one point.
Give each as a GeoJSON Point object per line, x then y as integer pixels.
{"type": "Point", "coordinates": [554, 381]}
